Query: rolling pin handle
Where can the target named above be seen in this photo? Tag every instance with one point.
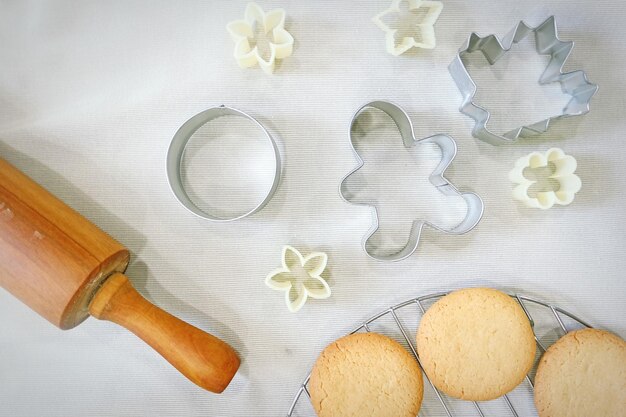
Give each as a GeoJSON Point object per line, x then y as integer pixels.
{"type": "Point", "coordinates": [204, 359]}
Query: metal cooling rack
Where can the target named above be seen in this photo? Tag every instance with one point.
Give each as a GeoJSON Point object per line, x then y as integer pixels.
{"type": "Point", "coordinates": [443, 402]}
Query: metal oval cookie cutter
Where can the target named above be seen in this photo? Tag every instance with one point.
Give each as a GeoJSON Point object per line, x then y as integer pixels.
{"type": "Point", "coordinates": [176, 153]}
{"type": "Point", "coordinates": [475, 205]}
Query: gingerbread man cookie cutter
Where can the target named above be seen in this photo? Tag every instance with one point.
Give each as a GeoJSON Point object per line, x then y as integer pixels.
{"type": "Point", "coordinates": [475, 206]}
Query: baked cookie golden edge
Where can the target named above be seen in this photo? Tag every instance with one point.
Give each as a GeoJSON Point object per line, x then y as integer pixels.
{"type": "Point", "coordinates": [583, 374]}
{"type": "Point", "coordinates": [476, 344]}
{"type": "Point", "coordinates": [366, 375]}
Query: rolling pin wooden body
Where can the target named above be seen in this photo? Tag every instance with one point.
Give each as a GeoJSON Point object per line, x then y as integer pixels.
{"type": "Point", "coordinates": [65, 268]}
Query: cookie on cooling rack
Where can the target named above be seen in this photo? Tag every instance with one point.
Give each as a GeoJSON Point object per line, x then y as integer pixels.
{"type": "Point", "coordinates": [476, 344]}
{"type": "Point", "coordinates": [366, 375]}
{"type": "Point", "coordinates": [583, 374]}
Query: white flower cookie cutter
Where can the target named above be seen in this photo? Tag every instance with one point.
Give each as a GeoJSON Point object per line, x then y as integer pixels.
{"type": "Point", "coordinates": [426, 26]}
{"type": "Point", "coordinates": [564, 168]}
{"type": "Point", "coordinates": [300, 277]}
{"type": "Point", "coordinates": [242, 31]}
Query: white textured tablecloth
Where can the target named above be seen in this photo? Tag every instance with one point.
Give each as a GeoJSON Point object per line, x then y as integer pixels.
{"type": "Point", "coordinates": [92, 92]}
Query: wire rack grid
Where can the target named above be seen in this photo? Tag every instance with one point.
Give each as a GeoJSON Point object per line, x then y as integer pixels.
{"type": "Point", "coordinates": [444, 405]}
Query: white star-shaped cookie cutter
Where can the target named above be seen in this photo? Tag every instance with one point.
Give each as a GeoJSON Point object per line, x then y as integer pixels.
{"type": "Point", "coordinates": [564, 168]}
{"type": "Point", "coordinates": [426, 27]}
{"type": "Point", "coordinates": [298, 290]}
{"type": "Point", "coordinates": [243, 30]}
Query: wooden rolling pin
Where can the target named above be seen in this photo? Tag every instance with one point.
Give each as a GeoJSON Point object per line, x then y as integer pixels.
{"type": "Point", "coordinates": [65, 268]}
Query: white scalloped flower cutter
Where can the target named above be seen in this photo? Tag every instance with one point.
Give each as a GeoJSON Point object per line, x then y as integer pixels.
{"type": "Point", "coordinates": [242, 32]}
{"type": "Point", "coordinates": [300, 277]}
{"type": "Point", "coordinates": [426, 26]}
{"type": "Point", "coordinates": [564, 168]}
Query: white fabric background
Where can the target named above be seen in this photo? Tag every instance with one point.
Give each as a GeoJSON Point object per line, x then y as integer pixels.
{"type": "Point", "coordinates": [92, 92]}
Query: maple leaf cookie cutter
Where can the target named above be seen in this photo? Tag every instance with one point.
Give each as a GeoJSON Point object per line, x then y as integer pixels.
{"type": "Point", "coordinates": [447, 145]}
{"type": "Point", "coordinates": [547, 41]}
{"type": "Point", "coordinates": [564, 174]}
{"type": "Point", "coordinates": [285, 279]}
{"type": "Point", "coordinates": [242, 31]}
{"type": "Point", "coordinates": [426, 26]}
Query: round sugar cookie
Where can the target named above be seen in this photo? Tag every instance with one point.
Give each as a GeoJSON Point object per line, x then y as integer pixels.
{"type": "Point", "coordinates": [366, 375]}
{"type": "Point", "coordinates": [476, 344]}
{"type": "Point", "coordinates": [582, 375]}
